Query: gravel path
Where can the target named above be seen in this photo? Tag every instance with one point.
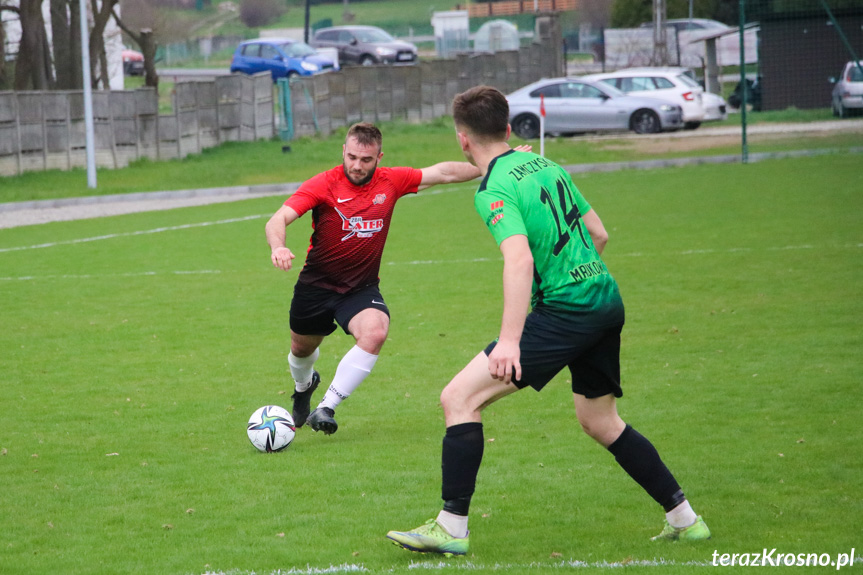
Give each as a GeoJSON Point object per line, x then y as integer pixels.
{"type": "Point", "coordinates": [40, 212]}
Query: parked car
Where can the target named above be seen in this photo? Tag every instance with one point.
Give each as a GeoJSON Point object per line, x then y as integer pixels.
{"type": "Point", "coordinates": [715, 107]}
{"type": "Point", "coordinates": [133, 62]}
{"type": "Point", "coordinates": [848, 91]}
{"type": "Point", "coordinates": [574, 105]}
{"type": "Point", "coordinates": [365, 45]}
{"type": "Point", "coordinates": [674, 85]}
{"type": "Point", "coordinates": [281, 57]}
{"type": "Point", "coordinates": [685, 24]}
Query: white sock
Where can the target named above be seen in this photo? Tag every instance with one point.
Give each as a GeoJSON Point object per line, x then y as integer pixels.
{"type": "Point", "coordinates": [352, 370]}
{"type": "Point", "coordinates": [301, 369]}
{"type": "Point", "coordinates": [681, 516]}
{"type": "Point", "coordinates": [455, 525]}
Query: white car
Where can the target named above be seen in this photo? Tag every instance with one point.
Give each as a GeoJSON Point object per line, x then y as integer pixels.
{"type": "Point", "coordinates": [575, 105]}
{"type": "Point", "coordinates": [674, 85]}
{"type": "Point", "coordinates": [715, 107]}
{"type": "Point", "coordinates": [847, 94]}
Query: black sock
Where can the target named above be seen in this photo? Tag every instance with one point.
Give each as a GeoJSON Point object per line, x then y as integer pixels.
{"type": "Point", "coordinates": [637, 456]}
{"type": "Point", "coordinates": [460, 460]}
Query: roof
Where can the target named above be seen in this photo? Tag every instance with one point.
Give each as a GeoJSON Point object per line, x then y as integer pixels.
{"type": "Point", "coordinates": [722, 33]}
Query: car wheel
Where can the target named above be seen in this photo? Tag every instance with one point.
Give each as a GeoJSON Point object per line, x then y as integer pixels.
{"type": "Point", "coordinates": [645, 122]}
{"type": "Point", "coordinates": [691, 125]}
{"type": "Point", "coordinates": [842, 112]}
{"type": "Point", "coordinates": [367, 61]}
{"type": "Point", "coordinates": [526, 126]}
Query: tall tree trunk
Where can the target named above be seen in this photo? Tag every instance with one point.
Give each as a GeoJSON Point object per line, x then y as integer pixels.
{"type": "Point", "coordinates": [97, 41]}
{"type": "Point", "coordinates": [2, 57]}
{"type": "Point", "coordinates": [62, 39]}
{"type": "Point", "coordinates": [30, 70]}
{"type": "Point", "coordinates": [76, 73]}
{"type": "Point", "coordinates": [148, 49]}
{"type": "Point", "coordinates": [147, 44]}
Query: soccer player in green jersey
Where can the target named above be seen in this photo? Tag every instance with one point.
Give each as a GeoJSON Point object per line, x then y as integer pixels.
{"type": "Point", "coordinates": [551, 241]}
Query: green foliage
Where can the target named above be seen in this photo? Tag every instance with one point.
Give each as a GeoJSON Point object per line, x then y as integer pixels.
{"type": "Point", "coordinates": [257, 13]}
{"type": "Point", "coordinates": [136, 347]}
{"type": "Point", "coordinates": [630, 13]}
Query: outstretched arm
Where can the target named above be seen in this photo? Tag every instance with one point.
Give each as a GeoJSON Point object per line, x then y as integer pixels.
{"type": "Point", "coordinates": [455, 172]}
{"type": "Point", "coordinates": [448, 173]}
{"type": "Point", "coordinates": [280, 255]}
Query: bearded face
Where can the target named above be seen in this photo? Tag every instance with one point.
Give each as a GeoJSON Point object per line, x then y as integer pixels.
{"type": "Point", "coordinates": [360, 161]}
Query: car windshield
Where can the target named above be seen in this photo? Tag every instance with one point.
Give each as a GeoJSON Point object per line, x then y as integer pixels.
{"type": "Point", "coordinates": [371, 36]}
{"type": "Point", "coordinates": [684, 78]}
{"type": "Point", "coordinates": [297, 49]}
{"type": "Point", "coordinates": [855, 75]}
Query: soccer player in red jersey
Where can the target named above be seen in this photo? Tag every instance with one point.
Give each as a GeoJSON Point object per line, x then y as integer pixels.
{"type": "Point", "coordinates": [351, 207]}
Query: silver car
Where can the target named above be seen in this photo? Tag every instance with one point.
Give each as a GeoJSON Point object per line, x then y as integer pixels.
{"type": "Point", "coordinates": [574, 105]}
{"type": "Point", "coordinates": [848, 91]}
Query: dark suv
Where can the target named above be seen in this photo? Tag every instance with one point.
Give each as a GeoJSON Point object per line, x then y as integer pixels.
{"type": "Point", "coordinates": [365, 45]}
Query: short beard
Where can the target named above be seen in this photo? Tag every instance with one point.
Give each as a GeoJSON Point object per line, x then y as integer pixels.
{"type": "Point", "coordinates": [362, 182]}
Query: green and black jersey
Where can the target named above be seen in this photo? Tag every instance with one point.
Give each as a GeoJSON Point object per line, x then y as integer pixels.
{"type": "Point", "coordinates": [526, 194]}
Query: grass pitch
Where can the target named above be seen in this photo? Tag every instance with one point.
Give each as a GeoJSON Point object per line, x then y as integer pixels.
{"type": "Point", "coordinates": [134, 349]}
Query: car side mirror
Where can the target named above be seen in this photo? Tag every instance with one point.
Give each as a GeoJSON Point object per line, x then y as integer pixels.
{"type": "Point", "coordinates": [832, 79]}
{"type": "Point", "coordinates": [354, 41]}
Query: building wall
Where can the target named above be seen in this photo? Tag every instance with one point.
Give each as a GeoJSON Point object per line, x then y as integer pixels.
{"type": "Point", "coordinates": [800, 55]}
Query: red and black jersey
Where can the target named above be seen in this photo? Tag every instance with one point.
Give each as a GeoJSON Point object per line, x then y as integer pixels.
{"type": "Point", "coordinates": [350, 224]}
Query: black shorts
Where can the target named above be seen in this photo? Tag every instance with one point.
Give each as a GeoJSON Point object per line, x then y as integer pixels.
{"type": "Point", "coordinates": [315, 311]}
{"type": "Point", "coordinates": [553, 341]}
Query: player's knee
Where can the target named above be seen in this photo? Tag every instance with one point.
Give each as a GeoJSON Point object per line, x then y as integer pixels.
{"type": "Point", "coordinates": [372, 339]}
{"type": "Point", "coordinates": [603, 430]}
{"type": "Point", "coordinates": [302, 349]}
{"type": "Point", "coordinates": [452, 400]}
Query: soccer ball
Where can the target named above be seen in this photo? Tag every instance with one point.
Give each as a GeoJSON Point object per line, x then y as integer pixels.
{"type": "Point", "coordinates": [271, 428]}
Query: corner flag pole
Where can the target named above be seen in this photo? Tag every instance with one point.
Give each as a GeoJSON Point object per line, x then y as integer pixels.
{"type": "Point", "coordinates": [542, 125]}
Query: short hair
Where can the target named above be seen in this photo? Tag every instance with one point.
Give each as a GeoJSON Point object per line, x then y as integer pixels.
{"type": "Point", "coordinates": [367, 134]}
{"type": "Point", "coordinates": [483, 112]}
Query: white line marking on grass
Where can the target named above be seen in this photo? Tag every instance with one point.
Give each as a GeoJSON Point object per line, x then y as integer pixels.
{"type": "Point", "coordinates": [128, 234]}
{"type": "Point", "coordinates": [571, 564]}
{"type": "Point", "coordinates": [99, 276]}
{"type": "Point", "coordinates": [345, 568]}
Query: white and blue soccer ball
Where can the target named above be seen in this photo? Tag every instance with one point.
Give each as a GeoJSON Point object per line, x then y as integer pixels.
{"type": "Point", "coordinates": [271, 428]}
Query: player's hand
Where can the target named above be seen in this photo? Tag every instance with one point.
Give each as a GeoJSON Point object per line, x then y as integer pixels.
{"type": "Point", "coordinates": [282, 258]}
{"type": "Point", "coordinates": [523, 148]}
{"type": "Point", "coordinates": [504, 360]}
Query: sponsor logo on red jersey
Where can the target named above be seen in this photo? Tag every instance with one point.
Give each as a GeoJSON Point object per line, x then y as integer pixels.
{"type": "Point", "coordinates": [359, 227]}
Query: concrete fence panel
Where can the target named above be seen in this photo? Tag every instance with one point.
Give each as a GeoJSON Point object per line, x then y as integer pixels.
{"type": "Point", "coordinates": [46, 130]}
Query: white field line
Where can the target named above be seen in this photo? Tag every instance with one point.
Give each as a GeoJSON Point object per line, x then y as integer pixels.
{"type": "Point", "coordinates": [570, 564]}
{"type": "Point", "coordinates": [129, 234]}
{"type": "Point", "coordinates": [406, 263]}
{"type": "Point", "coordinates": [101, 276]}
{"type": "Point", "coordinates": [461, 565]}
{"type": "Point", "coordinates": [415, 262]}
